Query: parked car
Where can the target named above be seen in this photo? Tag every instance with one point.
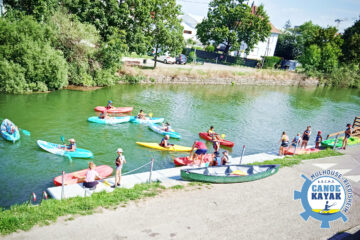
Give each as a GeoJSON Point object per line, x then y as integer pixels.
{"type": "Point", "coordinates": [166, 59]}
{"type": "Point", "coordinates": [182, 59]}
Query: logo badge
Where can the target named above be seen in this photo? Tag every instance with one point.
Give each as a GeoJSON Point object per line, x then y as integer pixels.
{"type": "Point", "coordinates": [326, 196]}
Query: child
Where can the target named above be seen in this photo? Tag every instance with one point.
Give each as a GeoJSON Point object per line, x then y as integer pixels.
{"type": "Point", "coordinates": [284, 143]}
{"type": "Point", "coordinates": [120, 160]}
{"type": "Point", "coordinates": [318, 140]}
{"type": "Point", "coordinates": [348, 133]}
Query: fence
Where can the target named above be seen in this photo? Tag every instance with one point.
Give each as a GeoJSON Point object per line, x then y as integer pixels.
{"type": "Point", "coordinates": [214, 57]}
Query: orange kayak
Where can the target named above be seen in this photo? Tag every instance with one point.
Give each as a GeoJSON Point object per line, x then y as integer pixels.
{"type": "Point", "coordinates": [114, 110]}
{"type": "Point", "coordinates": [184, 161]}
{"type": "Point", "coordinates": [78, 176]}
{"type": "Point", "coordinates": [301, 151]}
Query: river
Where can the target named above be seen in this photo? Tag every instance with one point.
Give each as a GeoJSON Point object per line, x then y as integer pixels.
{"type": "Point", "coordinates": [250, 115]}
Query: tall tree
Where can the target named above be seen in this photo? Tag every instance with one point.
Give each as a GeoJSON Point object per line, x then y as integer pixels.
{"type": "Point", "coordinates": [351, 46]}
{"type": "Point", "coordinates": [165, 30]}
{"type": "Point", "coordinates": [231, 22]}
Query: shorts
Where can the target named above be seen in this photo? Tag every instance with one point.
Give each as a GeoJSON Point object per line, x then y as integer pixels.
{"type": "Point", "coordinates": [201, 151]}
{"type": "Point", "coordinates": [284, 144]}
{"type": "Point", "coordinates": [347, 136]}
{"type": "Point", "coordinates": [90, 184]}
{"type": "Point", "coordinates": [306, 138]}
{"type": "Point", "coordinates": [118, 168]}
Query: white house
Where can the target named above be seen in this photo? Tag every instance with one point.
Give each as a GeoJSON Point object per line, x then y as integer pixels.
{"type": "Point", "coordinates": [189, 22]}
{"type": "Point", "coordinates": [2, 10]}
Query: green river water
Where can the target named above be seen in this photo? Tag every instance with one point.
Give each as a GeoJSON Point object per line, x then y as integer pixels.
{"type": "Point", "coordinates": [254, 116]}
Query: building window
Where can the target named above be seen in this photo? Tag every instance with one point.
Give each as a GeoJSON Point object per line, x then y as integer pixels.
{"type": "Point", "coordinates": [187, 32]}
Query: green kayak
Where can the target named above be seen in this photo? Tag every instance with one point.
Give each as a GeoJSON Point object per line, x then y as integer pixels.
{"type": "Point", "coordinates": [229, 173]}
{"type": "Point", "coordinates": [330, 142]}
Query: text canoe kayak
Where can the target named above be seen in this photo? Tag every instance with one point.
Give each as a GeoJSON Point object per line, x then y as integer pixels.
{"type": "Point", "coordinates": [175, 148]}
{"type": "Point", "coordinates": [185, 161]}
{"type": "Point", "coordinates": [147, 121]}
{"type": "Point", "coordinates": [114, 110]}
{"type": "Point", "coordinates": [110, 120]}
{"type": "Point", "coordinates": [54, 148]}
{"type": "Point", "coordinates": [156, 128]}
{"type": "Point", "coordinates": [7, 136]}
{"type": "Point", "coordinates": [301, 151]}
{"type": "Point", "coordinates": [330, 142]}
{"type": "Point", "coordinates": [78, 176]}
{"type": "Point", "coordinates": [222, 142]}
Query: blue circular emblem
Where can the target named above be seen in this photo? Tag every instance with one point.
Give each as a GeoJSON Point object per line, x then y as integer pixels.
{"type": "Point", "coordinates": [326, 197]}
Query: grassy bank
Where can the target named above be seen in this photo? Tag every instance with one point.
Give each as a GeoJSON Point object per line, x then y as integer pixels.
{"type": "Point", "coordinates": [290, 161]}
{"type": "Point", "coordinates": [213, 74]}
{"type": "Point", "coordinates": [24, 216]}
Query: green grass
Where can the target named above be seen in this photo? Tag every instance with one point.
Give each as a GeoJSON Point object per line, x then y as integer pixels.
{"type": "Point", "coordinates": [290, 161]}
{"type": "Point", "coordinates": [177, 187]}
{"type": "Point", "coordinates": [24, 216]}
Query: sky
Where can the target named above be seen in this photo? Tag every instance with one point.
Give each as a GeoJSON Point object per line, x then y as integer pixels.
{"type": "Point", "coordinates": [321, 12]}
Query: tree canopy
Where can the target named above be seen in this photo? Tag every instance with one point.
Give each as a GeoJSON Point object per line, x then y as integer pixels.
{"type": "Point", "coordinates": [231, 22]}
{"type": "Point", "coordinates": [351, 46]}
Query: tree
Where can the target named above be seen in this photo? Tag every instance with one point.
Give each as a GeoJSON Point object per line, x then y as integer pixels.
{"type": "Point", "coordinates": [351, 46]}
{"type": "Point", "coordinates": [39, 9]}
{"type": "Point", "coordinates": [287, 26]}
{"type": "Point", "coordinates": [287, 46]}
{"type": "Point", "coordinates": [231, 22]}
{"type": "Point", "coordinates": [166, 30]}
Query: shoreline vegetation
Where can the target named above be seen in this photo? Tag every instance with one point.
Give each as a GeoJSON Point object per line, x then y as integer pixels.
{"type": "Point", "coordinates": [25, 216]}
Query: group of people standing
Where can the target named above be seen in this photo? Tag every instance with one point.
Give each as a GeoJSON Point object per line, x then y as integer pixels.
{"type": "Point", "coordinates": [304, 139]}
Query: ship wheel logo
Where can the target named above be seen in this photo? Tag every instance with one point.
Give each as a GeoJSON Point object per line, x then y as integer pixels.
{"type": "Point", "coordinates": [326, 197]}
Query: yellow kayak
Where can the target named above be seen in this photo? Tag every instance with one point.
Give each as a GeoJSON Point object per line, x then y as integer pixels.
{"type": "Point", "coordinates": [175, 148]}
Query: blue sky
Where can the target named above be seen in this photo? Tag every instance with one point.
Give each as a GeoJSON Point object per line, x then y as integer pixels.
{"type": "Point", "coordinates": [322, 12]}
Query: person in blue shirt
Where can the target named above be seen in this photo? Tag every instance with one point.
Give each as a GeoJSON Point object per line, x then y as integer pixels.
{"type": "Point", "coordinates": [71, 147]}
{"type": "Point", "coordinates": [318, 140]}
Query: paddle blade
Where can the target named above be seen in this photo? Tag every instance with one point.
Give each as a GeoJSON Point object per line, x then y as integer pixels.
{"type": "Point", "coordinates": [26, 132]}
{"type": "Point", "coordinates": [150, 114]}
{"type": "Point", "coordinates": [106, 183]}
{"type": "Point", "coordinates": [62, 139]}
{"type": "Point", "coordinates": [223, 136]}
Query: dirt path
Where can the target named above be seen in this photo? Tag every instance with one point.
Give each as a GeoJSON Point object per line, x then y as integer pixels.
{"type": "Point", "coordinates": [262, 209]}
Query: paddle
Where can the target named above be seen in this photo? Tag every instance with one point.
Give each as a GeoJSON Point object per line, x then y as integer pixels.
{"type": "Point", "coordinates": [150, 115]}
{"type": "Point", "coordinates": [106, 182]}
{"type": "Point", "coordinates": [26, 132]}
{"type": "Point", "coordinates": [62, 139]}
{"type": "Point", "coordinates": [223, 136]}
{"type": "Point", "coordinates": [66, 155]}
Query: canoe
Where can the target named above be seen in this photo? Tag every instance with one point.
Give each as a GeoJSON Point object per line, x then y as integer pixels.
{"type": "Point", "coordinates": [110, 120]}
{"type": "Point", "coordinates": [156, 128]}
{"type": "Point", "coordinates": [175, 148]}
{"type": "Point", "coordinates": [184, 161]}
{"type": "Point", "coordinates": [222, 142]}
{"type": "Point", "coordinates": [54, 148]}
{"type": "Point", "coordinates": [301, 151]}
{"type": "Point", "coordinates": [229, 174]}
{"type": "Point", "coordinates": [330, 142]}
{"type": "Point", "coordinates": [72, 178]}
{"type": "Point", "coordinates": [12, 137]}
{"type": "Point", "coordinates": [114, 110]}
{"type": "Point", "coordinates": [146, 121]}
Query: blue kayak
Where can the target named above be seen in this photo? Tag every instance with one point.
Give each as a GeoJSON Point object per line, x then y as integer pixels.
{"type": "Point", "coordinates": [56, 149]}
{"type": "Point", "coordinates": [158, 129]}
{"type": "Point", "coordinates": [6, 131]}
{"type": "Point", "coordinates": [110, 120]}
{"type": "Point", "coordinates": [147, 120]}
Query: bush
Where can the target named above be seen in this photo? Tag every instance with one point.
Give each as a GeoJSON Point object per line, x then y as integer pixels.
{"type": "Point", "coordinates": [12, 78]}
{"type": "Point", "coordinates": [210, 48]}
{"type": "Point", "coordinates": [192, 56]}
{"type": "Point", "coordinates": [344, 76]}
{"type": "Point", "coordinates": [271, 61]}
{"type": "Point", "coordinates": [105, 78]}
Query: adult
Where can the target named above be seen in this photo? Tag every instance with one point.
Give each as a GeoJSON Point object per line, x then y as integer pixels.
{"type": "Point", "coordinates": [71, 147]}
{"type": "Point", "coordinates": [165, 142]}
{"type": "Point", "coordinates": [120, 160]}
{"type": "Point", "coordinates": [200, 151]}
{"type": "Point", "coordinates": [348, 133]}
{"type": "Point", "coordinates": [216, 144]}
{"type": "Point", "coordinates": [284, 143]}
{"type": "Point", "coordinates": [306, 137]}
{"type": "Point", "coordinates": [91, 175]}
{"type": "Point", "coordinates": [225, 158]}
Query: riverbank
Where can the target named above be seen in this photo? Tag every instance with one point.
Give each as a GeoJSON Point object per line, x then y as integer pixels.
{"type": "Point", "coordinates": [215, 74]}
{"type": "Point", "coordinates": [250, 210]}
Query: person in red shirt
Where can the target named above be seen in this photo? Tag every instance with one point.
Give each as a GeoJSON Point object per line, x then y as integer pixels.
{"type": "Point", "coordinates": [200, 151]}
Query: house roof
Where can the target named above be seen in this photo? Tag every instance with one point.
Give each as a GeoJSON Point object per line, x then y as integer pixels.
{"type": "Point", "coordinates": [274, 29]}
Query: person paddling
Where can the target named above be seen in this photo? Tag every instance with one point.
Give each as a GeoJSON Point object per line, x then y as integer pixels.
{"type": "Point", "coordinates": [348, 133]}
{"type": "Point", "coordinates": [109, 105]}
{"type": "Point", "coordinates": [165, 142]}
{"type": "Point", "coordinates": [141, 115]}
{"type": "Point", "coordinates": [120, 160]}
{"type": "Point", "coordinates": [71, 147]}
{"type": "Point", "coordinates": [104, 115]}
{"type": "Point", "coordinates": [212, 133]}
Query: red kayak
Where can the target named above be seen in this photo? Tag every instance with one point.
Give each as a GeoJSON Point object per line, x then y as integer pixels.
{"type": "Point", "coordinates": [114, 110]}
{"type": "Point", "coordinates": [223, 142]}
{"type": "Point", "coordinates": [301, 151]}
{"type": "Point", "coordinates": [184, 161]}
{"type": "Point", "coordinates": [69, 178]}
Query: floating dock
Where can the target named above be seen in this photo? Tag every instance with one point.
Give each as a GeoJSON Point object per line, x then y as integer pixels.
{"type": "Point", "coordinates": [168, 177]}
